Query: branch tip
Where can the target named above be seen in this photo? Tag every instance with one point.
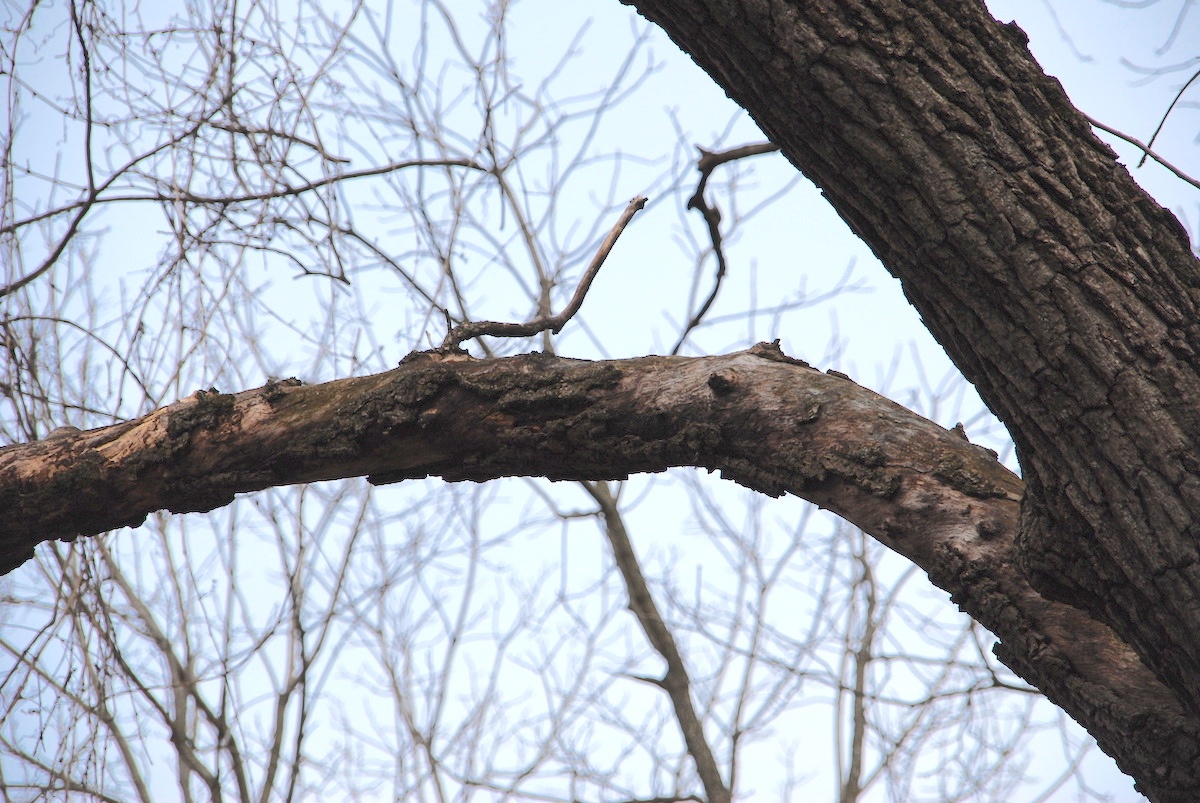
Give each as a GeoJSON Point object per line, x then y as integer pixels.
{"type": "Point", "coordinates": [554, 323]}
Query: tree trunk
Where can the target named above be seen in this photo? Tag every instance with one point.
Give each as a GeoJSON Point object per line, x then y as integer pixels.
{"type": "Point", "coordinates": [762, 419]}
{"type": "Point", "coordinates": [1062, 290]}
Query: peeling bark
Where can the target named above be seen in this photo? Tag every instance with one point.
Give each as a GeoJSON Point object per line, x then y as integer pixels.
{"type": "Point", "coordinates": [762, 419]}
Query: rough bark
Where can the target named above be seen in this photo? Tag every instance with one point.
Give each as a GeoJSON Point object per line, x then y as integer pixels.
{"type": "Point", "coordinates": [1063, 291]}
{"type": "Point", "coordinates": [760, 418]}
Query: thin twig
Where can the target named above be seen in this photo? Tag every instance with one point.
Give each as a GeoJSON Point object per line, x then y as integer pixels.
{"type": "Point", "coordinates": [1144, 149]}
{"type": "Point", "coordinates": [1163, 121]}
{"type": "Point", "coordinates": [178, 194]}
{"type": "Point", "coordinates": [83, 206]}
{"type": "Point", "coordinates": [706, 164]}
{"type": "Point", "coordinates": [553, 323]}
{"type": "Point", "coordinates": [711, 160]}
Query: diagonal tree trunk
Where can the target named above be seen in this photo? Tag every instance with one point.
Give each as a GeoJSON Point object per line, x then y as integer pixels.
{"type": "Point", "coordinates": [1063, 291]}
{"type": "Point", "coordinates": [1060, 288]}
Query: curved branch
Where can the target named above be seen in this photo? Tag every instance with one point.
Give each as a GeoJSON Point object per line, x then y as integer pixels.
{"type": "Point", "coordinates": [764, 420]}
{"type": "Point", "coordinates": [1060, 289]}
{"type": "Point", "coordinates": [553, 323]}
{"type": "Point", "coordinates": [706, 164]}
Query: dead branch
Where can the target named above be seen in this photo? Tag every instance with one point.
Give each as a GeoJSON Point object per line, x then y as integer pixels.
{"type": "Point", "coordinates": [553, 323]}
{"type": "Point", "coordinates": [706, 164]}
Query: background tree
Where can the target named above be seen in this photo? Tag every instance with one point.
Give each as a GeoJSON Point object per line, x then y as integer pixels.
{"type": "Point", "coordinates": [419, 641]}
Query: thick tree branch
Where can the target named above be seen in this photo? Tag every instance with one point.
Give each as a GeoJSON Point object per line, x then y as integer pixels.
{"type": "Point", "coordinates": [762, 419]}
{"type": "Point", "coordinates": [1058, 286]}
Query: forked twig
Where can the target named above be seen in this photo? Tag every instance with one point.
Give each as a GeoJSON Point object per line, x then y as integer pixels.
{"type": "Point", "coordinates": [472, 329]}
{"type": "Point", "coordinates": [1145, 149]}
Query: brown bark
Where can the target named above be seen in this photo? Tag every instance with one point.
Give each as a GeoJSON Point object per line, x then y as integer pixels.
{"type": "Point", "coordinates": [1065, 293]}
{"type": "Point", "coordinates": [1062, 290]}
{"type": "Point", "coordinates": [768, 422]}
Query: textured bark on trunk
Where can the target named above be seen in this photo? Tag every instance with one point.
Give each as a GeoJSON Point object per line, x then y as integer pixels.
{"type": "Point", "coordinates": [1063, 291]}
{"type": "Point", "coordinates": [762, 419]}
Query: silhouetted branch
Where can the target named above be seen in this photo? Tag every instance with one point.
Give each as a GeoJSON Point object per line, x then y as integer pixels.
{"type": "Point", "coordinates": [706, 164]}
{"type": "Point", "coordinates": [554, 323]}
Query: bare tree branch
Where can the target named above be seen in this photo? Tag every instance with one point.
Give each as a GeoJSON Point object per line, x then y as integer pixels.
{"type": "Point", "coordinates": [706, 164]}
{"type": "Point", "coordinates": [675, 681]}
{"type": "Point", "coordinates": [551, 323]}
{"type": "Point", "coordinates": [1145, 149]}
{"type": "Point", "coordinates": [764, 420]}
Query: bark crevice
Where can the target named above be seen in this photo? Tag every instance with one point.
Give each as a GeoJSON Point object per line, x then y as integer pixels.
{"type": "Point", "coordinates": [1056, 284]}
